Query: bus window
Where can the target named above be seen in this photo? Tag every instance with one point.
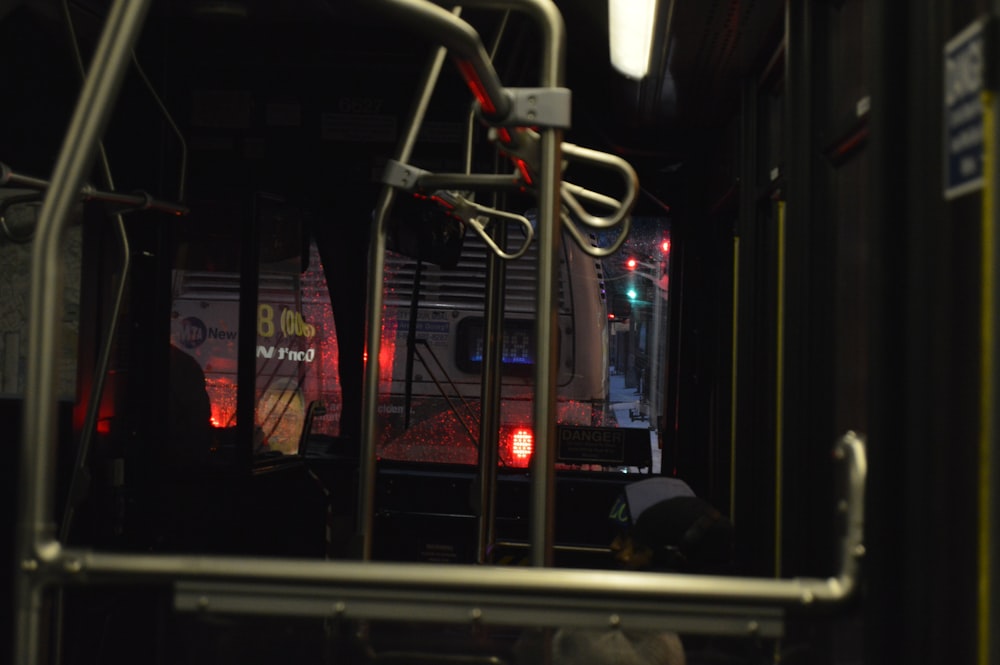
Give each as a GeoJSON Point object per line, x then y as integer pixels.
{"type": "Point", "coordinates": [429, 406]}
{"type": "Point", "coordinates": [296, 349]}
{"type": "Point", "coordinates": [430, 409]}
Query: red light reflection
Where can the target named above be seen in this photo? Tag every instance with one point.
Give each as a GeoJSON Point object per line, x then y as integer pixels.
{"type": "Point", "coordinates": [476, 86]}
{"type": "Point", "coordinates": [222, 395]}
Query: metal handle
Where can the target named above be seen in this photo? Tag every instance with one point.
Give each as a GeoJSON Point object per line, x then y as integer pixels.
{"type": "Point", "coordinates": [570, 192]}
{"type": "Point", "coordinates": [523, 145]}
{"type": "Point", "coordinates": [471, 212]}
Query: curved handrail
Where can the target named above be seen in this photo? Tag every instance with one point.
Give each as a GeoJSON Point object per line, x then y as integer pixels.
{"type": "Point", "coordinates": [589, 248]}
{"type": "Point", "coordinates": [608, 161]}
{"type": "Point", "coordinates": [470, 212]}
{"type": "Point", "coordinates": [523, 145]}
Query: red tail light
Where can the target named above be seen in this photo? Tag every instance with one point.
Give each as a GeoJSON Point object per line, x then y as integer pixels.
{"type": "Point", "coordinates": [522, 444]}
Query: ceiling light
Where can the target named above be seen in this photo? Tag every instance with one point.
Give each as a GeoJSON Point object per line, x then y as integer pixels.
{"type": "Point", "coordinates": [630, 32]}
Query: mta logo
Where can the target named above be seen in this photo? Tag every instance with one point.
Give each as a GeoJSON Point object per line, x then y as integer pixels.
{"type": "Point", "coordinates": [193, 332]}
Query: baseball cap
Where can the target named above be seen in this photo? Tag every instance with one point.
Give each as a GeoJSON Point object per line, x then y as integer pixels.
{"type": "Point", "coordinates": [640, 495]}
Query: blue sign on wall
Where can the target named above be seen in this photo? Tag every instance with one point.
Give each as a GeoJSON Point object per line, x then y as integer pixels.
{"type": "Point", "coordinates": [963, 111]}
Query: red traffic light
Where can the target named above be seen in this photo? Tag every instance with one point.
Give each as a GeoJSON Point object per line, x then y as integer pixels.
{"type": "Point", "coordinates": [665, 246]}
{"type": "Point", "coordinates": [631, 264]}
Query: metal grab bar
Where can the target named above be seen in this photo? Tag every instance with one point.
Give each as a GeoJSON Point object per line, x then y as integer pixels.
{"type": "Point", "coordinates": [588, 247]}
{"type": "Point", "coordinates": [474, 64]}
{"type": "Point", "coordinates": [488, 595]}
{"type": "Point", "coordinates": [375, 301]}
{"type": "Point", "coordinates": [608, 161]}
{"type": "Point", "coordinates": [35, 526]}
{"type": "Point", "coordinates": [470, 212]}
{"type": "Point", "coordinates": [525, 148]}
{"type": "Point", "coordinates": [136, 201]}
{"type": "Point", "coordinates": [523, 145]}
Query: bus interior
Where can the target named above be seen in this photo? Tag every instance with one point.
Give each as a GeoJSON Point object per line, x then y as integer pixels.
{"type": "Point", "coordinates": [339, 331]}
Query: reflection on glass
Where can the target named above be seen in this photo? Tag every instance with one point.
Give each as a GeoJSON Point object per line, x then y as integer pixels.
{"type": "Point", "coordinates": [296, 350]}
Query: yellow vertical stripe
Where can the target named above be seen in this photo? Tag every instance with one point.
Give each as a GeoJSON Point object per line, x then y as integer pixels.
{"type": "Point", "coordinates": [986, 379]}
{"type": "Point", "coordinates": [733, 373]}
{"type": "Point", "coordinates": [779, 389]}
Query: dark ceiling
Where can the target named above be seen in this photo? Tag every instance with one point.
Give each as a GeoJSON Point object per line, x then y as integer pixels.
{"type": "Point", "coordinates": [347, 48]}
{"type": "Point", "coordinates": [711, 42]}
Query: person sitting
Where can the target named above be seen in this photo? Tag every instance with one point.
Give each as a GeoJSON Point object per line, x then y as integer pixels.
{"type": "Point", "coordinates": [661, 525]}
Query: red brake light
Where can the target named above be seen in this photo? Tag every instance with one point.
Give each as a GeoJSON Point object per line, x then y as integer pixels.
{"type": "Point", "coordinates": [522, 444]}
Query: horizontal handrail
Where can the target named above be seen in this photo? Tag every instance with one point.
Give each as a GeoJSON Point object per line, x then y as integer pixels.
{"type": "Point", "coordinates": [137, 201]}
{"type": "Point", "coordinates": [458, 592]}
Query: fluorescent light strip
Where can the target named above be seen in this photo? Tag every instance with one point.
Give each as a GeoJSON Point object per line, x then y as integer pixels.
{"type": "Point", "coordinates": [630, 32]}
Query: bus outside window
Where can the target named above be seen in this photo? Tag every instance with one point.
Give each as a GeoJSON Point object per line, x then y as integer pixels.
{"type": "Point", "coordinates": [296, 349]}
{"type": "Point", "coordinates": [429, 413]}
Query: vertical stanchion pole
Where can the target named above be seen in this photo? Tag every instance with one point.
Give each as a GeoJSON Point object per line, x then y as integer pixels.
{"type": "Point", "coordinates": [491, 384]}
{"type": "Point", "coordinates": [655, 368]}
{"type": "Point", "coordinates": [376, 285]}
{"type": "Point", "coordinates": [36, 529]}
{"type": "Point", "coordinates": [734, 368]}
{"type": "Point", "coordinates": [988, 400]}
{"type": "Point", "coordinates": [779, 387]}
{"type": "Point", "coordinates": [547, 289]}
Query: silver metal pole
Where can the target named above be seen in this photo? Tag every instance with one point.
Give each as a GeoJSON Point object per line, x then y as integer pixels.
{"type": "Point", "coordinates": [655, 371]}
{"type": "Point", "coordinates": [546, 360]}
{"type": "Point", "coordinates": [490, 381]}
{"type": "Point", "coordinates": [35, 532]}
{"type": "Point", "coordinates": [489, 424]}
{"type": "Point", "coordinates": [546, 14]}
{"type": "Point", "coordinates": [376, 286]}
{"type": "Point", "coordinates": [552, 75]}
